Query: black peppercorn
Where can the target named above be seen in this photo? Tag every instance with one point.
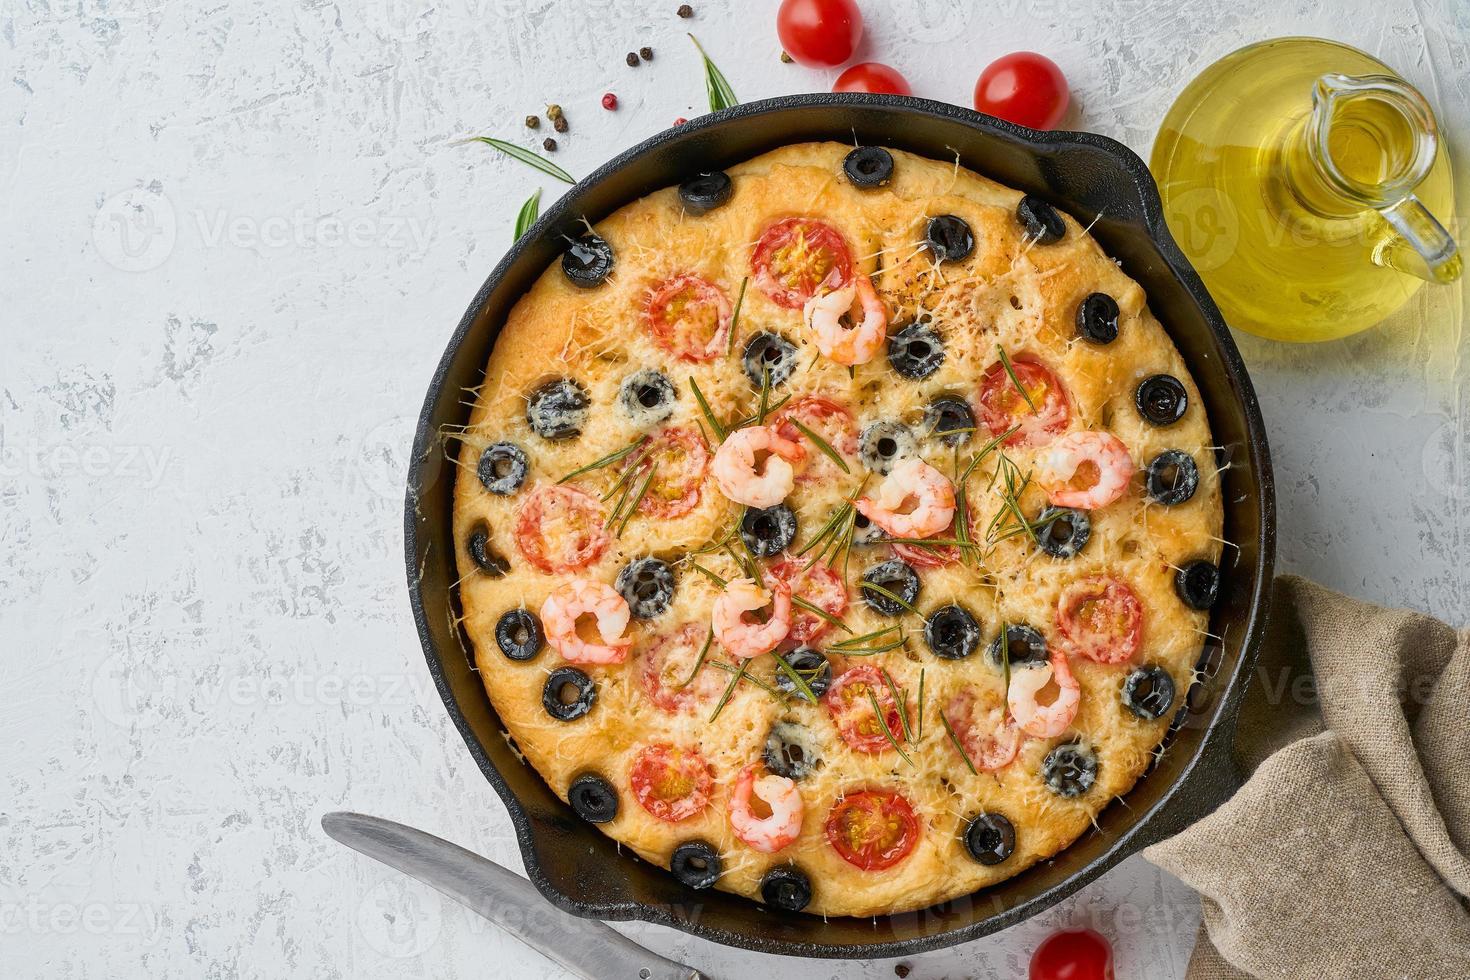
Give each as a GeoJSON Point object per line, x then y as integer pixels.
{"type": "Point", "coordinates": [646, 53]}
{"type": "Point", "coordinates": [549, 145]}
{"type": "Point", "coordinates": [632, 59]}
{"type": "Point", "coordinates": [560, 124]}
{"type": "Point", "coordinates": [685, 10]}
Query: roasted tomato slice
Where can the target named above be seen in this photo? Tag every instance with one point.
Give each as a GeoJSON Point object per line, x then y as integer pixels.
{"type": "Point", "coordinates": [872, 829]}
{"type": "Point", "coordinates": [666, 669]}
{"type": "Point", "coordinates": [680, 461]}
{"type": "Point", "coordinates": [852, 709]}
{"type": "Point", "coordinates": [830, 421]}
{"type": "Point", "coordinates": [820, 585]}
{"type": "Point", "coordinates": [1003, 407]}
{"type": "Point", "coordinates": [984, 727]}
{"type": "Point", "coordinates": [1100, 618]}
{"type": "Point", "coordinates": [559, 529]}
{"type": "Point", "coordinates": [689, 317]}
{"type": "Point", "coordinates": [797, 256]}
{"type": "Point", "coordinates": [670, 782]}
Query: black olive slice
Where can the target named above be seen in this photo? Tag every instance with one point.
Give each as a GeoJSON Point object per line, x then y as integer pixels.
{"type": "Point", "coordinates": [1042, 223]}
{"type": "Point", "coordinates": [1097, 319]}
{"type": "Point", "coordinates": [486, 558]}
{"type": "Point", "coordinates": [1025, 646]}
{"type": "Point", "coordinates": [648, 586]}
{"type": "Point", "coordinates": [705, 192]}
{"type": "Point", "coordinates": [949, 238]}
{"type": "Point", "coordinates": [1069, 770]}
{"type": "Point", "coordinates": [502, 468]}
{"type": "Point", "coordinates": [588, 261]}
{"type": "Point", "coordinates": [648, 397]}
{"type": "Point", "coordinates": [768, 531]}
{"type": "Point", "coordinates": [1172, 477]}
{"type": "Point", "coordinates": [868, 167]}
{"type": "Point", "coordinates": [769, 354]}
{"type": "Point", "coordinates": [786, 888]}
{"type": "Point", "coordinates": [916, 351]}
{"type": "Point", "coordinates": [893, 576]}
{"type": "Point", "coordinates": [951, 632]}
{"type": "Point", "coordinates": [696, 864]}
{"type": "Point", "coordinates": [568, 694]}
{"type": "Point", "coordinates": [1198, 584]}
{"type": "Point", "coordinates": [882, 444]}
{"type": "Point", "coordinates": [518, 634]}
{"type": "Point", "coordinates": [557, 409]}
{"type": "Point", "coordinates": [1161, 399]}
{"type": "Point", "coordinates": [1062, 531]}
{"type": "Point", "coordinates": [1148, 692]}
{"type": "Point", "coordinates": [990, 838]}
{"type": "Point", "coordinates": [813, 667]}
{"type": "Point", "coordinates": [593, 798]}
{"type": "Point", "coordinates": [951, 420]}
{"type": "Point", "coordinates": [792, 750]}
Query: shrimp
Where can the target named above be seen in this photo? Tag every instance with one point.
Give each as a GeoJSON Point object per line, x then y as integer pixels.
{"type": "Point", "coordinates": [753, 466]}
{"type": "Point", "coordinates": [563, 611]}
{"type": "Point", "coordinates": [743, 638]}
{"type": "Point", "coordinates": [1052, 680]}
{"type": "Point", "coordinates": [848, 344]}
{"type": "Point", "coordinates": [770, 833]}
{"type": "Point", "coordinates": [1086, 470]}
{"type": "Point", "coordinates": [914, 501]}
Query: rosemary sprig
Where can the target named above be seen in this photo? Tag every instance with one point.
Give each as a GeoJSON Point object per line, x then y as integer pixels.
{"type": "Point", "coordinates": [801, 685]}
{"type": "Point", "coordinates": [747, 564]}
{"type": "Point", "coordinates": [1005, 658]}
{"type": "Point", "coordinates": [707, 574]}
{"type": "Point", "coordinates": [709, 639]}
{"type": "Point", "coordinates": [900, 697]}
{"type": "Point", "coordinates": [885, 593]}
{"type": "Point", "coordinates": [865, 638]}
{"type": "Point", "coordinates": [720, 542]}
{"type": "Point", "coordinates": [729, 688]}
{"type": "Point", "coordinates": [721, 95]}
{"type": "Point", "coordinates": [525, 156]}
{"type": "Point", "coordinates": [888, 732]}
{"type": "Point", "coordinates": [958, 747]}
{"type": "Point", "coordinates": [872, 651]}
{"type": "Point", "coordinates": [827, 529]}
{"type": "Point", "coordinates": [622, 488]}
{"type": "Point", "coordinates": [753, 418]}
{"type": "Point", "coordinates": [823, 445]}
{"type": "Point", "coordinates": [637, 499]}
{"type": "Point", "coordinates": [764, 404]}
{"type": "Point", "coordinates": [749, 677]}
{"type": "Point", "coordinates": [709, 413]}
{"type": "Point", "coordinates": [735, 317]}
{"type": "Point", "coordinates": [607, 460]}
{"type": "Point", "coordinates": [528, 213]}
{"type": "Point", "coordinates": [820, 613]}
{"type": "Point", "coordinates": [1005, 361]}
{"type": "Point", "coordinates": [921, 702]}
{"type": "Point", "coordinates": [1012, 497]}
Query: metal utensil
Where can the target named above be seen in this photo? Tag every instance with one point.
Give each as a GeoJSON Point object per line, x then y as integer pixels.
{"type": "Point", "coordinates": [585, 946]}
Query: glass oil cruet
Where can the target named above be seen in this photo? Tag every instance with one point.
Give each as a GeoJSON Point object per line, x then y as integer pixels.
{"type": "Point", "coordinates": [1302, 178]}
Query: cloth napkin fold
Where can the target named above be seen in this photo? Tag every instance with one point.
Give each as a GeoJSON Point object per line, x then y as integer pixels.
{"type": "Point", "coordinates": [1347, 851]}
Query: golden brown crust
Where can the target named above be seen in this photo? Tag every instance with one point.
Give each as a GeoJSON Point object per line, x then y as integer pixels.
{"type": "Point", "coordinates": [1022, 298]}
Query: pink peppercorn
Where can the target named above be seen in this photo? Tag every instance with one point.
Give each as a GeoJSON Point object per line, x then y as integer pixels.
{"type": "Point", "coordinates": [609, 101]}
{"type": "Point", "coordinates": [680, 121]}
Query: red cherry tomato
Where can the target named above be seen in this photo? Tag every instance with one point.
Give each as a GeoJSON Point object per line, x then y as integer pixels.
{"type": "Point", "coordinates": [1041, 414]}
{"type": "Point", "coordinates": [872, 77]}
{"type": "Point", "coordinates": [689, 317]}
{"type": "Point", "coordinates": [1100, 618]}
{"type": "Point", "coordinates": [850, 700]}
{"type": "Point", "coordinates": [982, 724]}
{"type": "Point", "coordinates": [679, 462]}
{"type": "Point", "coordinates": [1074, 954]}
{"type": "Point", "coordinates": [671, 783]}
{"type": "Point", "coordinates": [667, 670]}
{"type": "Point", "coordinates": [818, 584]}
{"type": "Point", "coordinates": [819, 33]}
{"type": "Point", "coordinates": [797, 256]}
{"type": "Point", "coordinates": [559, 529]}
{"type": "Point", "coordinates": [830, 421]}
{"type": "Point", "coordinates": [1024, 88]}
{"type": "Point", "coordinates": [872, 829]}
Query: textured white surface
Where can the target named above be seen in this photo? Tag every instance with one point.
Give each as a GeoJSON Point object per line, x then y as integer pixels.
{"type": "Point", "coordinates": [204, 404]}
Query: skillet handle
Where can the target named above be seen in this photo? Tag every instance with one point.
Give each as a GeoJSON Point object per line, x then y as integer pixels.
{"type": "Point", "coordinates": [1216, 776]}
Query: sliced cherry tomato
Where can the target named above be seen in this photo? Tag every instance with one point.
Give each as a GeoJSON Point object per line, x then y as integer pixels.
{"type": "Point", "coordinates": [830, 421]}
{"type": "Point", "coordinates": [680, 461]}
{"type": "Point", "coordinates": [1025, 88]}
{"type": "Point", "coordinates": [872, 829]}
{"type": "Point", "coordinates": [671, 783]}
{"type": "Point", "coordinates": [819, 33]}
{"type": "Point", "coordinates": [852, 709]}
{"type": "Point", "coordinates": [985, 728]}
{"type": "Point", "coordinates": [1073, 954]}
{"type": "Point", "coordinates": [870, 76]}
{"type": "Point", "coordinates": [797, 256]}
{"type": "Point", "coordinates": [689, 318]}
{"type": "Point", "coordinates": [666, 669]}
{"type": "Point", "coordinates": [820, 585]}
{"type": "Point", "coordinates": [1002, 406]}
{"type": "Point", "coordinates": [559, 529]}
{"type": "Point", "coordinates": [1100, 618]}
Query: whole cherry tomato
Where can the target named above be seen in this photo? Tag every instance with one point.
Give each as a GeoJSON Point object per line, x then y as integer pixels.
{"type": "Point", "coordinates": [869, 76]}
{"type": "Point", "coordinates": [1073, 954]}
{"type": "Point", "coordinates": [1024, 88]}
{"type": "Point", "coordinates": [819, 33]}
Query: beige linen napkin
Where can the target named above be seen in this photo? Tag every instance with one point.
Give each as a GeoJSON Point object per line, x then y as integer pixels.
{"type": "Point", "coordinates": [1347, 852]}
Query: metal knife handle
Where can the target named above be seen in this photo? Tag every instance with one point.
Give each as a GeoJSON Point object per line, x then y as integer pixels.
{"type": "Point", "coordinates": [584, 946]}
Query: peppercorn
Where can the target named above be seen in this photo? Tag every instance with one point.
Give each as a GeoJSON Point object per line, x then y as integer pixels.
{"type": "Point", "coordinates": [902, 970]}
{"type": "Point", "coordinates": [560, 125]}
{"type": "Point", "coordinates": [786, 58]}
{"type": "Point", "coordinates": [609, 101]}
{"type": "Point", "coordinates": [680, 121]}
{"type": "Point", "coordinates": [646, 53]}
{"type": "Point", "coordinates": [553, 112]}
{"type": "Point", "coordinates": [632, 59]}
{"type": "Point", "coordinates": [685, 10]}
{"type": "Point", "coordinates": [549, 144]}
{"type": "Point", "coordinates": [533, 122]}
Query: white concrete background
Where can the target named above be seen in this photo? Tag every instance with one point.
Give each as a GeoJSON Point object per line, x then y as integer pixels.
{"type": "Point", "coordinates": [204, 404]}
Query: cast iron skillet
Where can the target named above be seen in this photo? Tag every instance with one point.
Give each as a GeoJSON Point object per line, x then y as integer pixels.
{"type": "Point", "coordinates": [1089, 176]}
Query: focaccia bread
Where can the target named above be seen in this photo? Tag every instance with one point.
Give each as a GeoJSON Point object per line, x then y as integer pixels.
{"type": "Point", "coordinates": [837, 530]}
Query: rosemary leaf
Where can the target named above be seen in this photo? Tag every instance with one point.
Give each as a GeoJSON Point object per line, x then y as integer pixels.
{"type": "Point", "coordinates": [709, 414]}
{"type": "Point", "coordinates": [721, 95]}
{"type": "Point", "coordinates": [885, 593]}
{"type": "Point", "coordinates": [888, 732]}
{"type": "Point", "coordinates": [707, 573]}
{"type": "Point", "coordinates": [958, 747]}
{"type": "Point", "coordinates": [709, 639]}
{"type": "Point", "coordinates": [607, 460]}
{"type": "Point", "coordinates": [729, 688]}
{"type": "Point", "coordinates": [822, 444]}
{"type": "Point", "coordinates": [637, 499]}
{"type": "Point", "coordinates": [865, 638]}
{"type": "Point", "coordinates": [1005, 361]}
{"type": "Point", "coordinates": [525, 156]}
{"type": "Point", "coordinates": [921, 702]}
{"type": "Point", "coordinates": [900, 698]}
{"type": "Point", "coordinates": [735, 317]}
{"type": "Point", "coordinates": [528, 213]}
{"type": "Point", "coordinates": [820, 613]}
{"type": "Point", "coordinates": [752, 678]}
{"type": "Point", "coordinates": [796, 678]}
